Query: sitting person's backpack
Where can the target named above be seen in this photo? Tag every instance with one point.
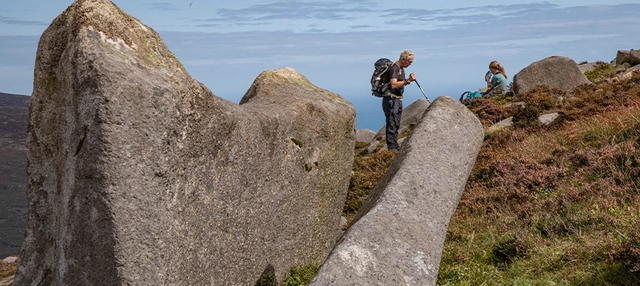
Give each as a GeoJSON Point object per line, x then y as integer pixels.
{"type": "Point", "coordinates": [469, 95]}
{"type": "Point", "coordinates": [380, 79]}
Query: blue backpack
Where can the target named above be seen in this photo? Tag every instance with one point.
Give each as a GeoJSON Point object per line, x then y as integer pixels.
{"type": "Point", "coordinates": [468, 95]}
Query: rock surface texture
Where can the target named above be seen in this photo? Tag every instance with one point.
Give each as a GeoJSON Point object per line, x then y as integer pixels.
{"type": "Point", "coordinates": [398, 235]}
{"type": "Point", "coordinates": [555, 72]}
{"type": "Point", "coordinates": [133, 163]}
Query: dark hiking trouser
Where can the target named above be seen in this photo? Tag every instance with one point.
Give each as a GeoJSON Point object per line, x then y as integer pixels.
{"type": "Point", "coordinates": [392, 108]}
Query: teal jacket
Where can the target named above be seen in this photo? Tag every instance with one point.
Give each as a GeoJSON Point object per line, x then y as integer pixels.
{"type": "Point", "coordinates": [497, 81]}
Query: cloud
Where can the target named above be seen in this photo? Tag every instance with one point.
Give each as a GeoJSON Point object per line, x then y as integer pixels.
{"type": "Point", "coordinates": [292, 10]}
{"type": "Point", "coordinates": [445, 18]}
{"type": "Point", "coordinates": [293, 13]}
{"type": "Point", "coordinates": [15, 22]}
{"type": "Point", "coordinates": [163, 6]}
{"type": "Point", "coordinates": [355, 27]}
{"type": "Point", "coordinates": [347, 16]}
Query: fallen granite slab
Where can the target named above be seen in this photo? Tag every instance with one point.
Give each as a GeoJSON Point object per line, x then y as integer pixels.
{"type": "Point", "coordinates": [398, 234]}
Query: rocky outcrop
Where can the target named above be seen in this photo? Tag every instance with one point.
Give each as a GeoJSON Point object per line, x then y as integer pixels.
{"type": "Point", "coordinates": [398, 234]}
{"type": "Point", "coordinates": [133, 163]}
{"type": "Point", "coordinates": [632, 57]}
{"type": "Point", "coordinates": [555, 72]}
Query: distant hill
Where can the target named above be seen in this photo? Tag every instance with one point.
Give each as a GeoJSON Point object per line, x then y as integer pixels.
{"type": "Point", "coordinates": [13, 120]}
{"type": "Point", "coordinates": [13, 172]}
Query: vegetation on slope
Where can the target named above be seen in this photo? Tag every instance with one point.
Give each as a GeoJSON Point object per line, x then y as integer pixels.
{"type": "Point", "coordinates": [544, 205]}
{"type": "Point", "coordinates": [554, 205]}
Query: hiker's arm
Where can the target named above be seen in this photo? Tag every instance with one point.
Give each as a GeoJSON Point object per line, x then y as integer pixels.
{"type": "Point", "coordinates": [395, 83]}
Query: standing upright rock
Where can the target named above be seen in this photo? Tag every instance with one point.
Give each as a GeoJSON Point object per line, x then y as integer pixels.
{"type": "Point", "coordinates": [139, 175]}
{"type": "Point", "coordinates": [398, 234]}
{"type": "Point", "coordinates": [555, 72]}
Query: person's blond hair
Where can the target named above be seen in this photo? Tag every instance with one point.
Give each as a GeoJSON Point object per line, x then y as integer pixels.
{"type": "Point", "coordinates": [498, 66]}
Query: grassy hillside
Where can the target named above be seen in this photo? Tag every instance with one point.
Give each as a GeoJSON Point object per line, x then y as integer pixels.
{"type": "Point", "coordinates": [550, 205]}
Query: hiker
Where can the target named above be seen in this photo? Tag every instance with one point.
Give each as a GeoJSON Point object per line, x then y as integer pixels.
{"type": "Point", "coordinates": [498, 84]}
{"type": "Point", "coordinates": [392, 104]}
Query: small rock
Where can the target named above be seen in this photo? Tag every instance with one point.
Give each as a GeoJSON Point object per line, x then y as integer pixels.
{"type": "Point", "coordinates": [365, 135]}
{"type": "Point", "coordinates": [547, 119]}
{"type": "Point", "coordinates": [10, 259]}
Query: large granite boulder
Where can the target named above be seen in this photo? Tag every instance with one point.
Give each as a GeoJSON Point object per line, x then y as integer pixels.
{"type": "Point", "coordinates": [398, 234]}
{"type": "Point", "coordinates": [555, 72]}
{"type": "Point", "coordinates": [139, 175]}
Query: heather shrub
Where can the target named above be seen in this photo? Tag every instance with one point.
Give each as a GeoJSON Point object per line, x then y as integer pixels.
{"type": "Point", "coordinates": [526, 116]}
{"type": "Point", "coordinates": [490, 111]}
{"type": "Point", "coordinates": [367, 171]}
{"type": "Point", "coordinates": [508, 248]}
{"type": "Point", "coordinates": [542, 98]}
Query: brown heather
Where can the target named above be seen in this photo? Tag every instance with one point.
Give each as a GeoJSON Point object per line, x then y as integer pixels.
{"type": "Point", "coordinates": [367, 171]}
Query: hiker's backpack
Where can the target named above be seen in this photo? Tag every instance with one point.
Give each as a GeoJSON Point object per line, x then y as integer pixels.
{"type": "Point", "coordinates": [380, 78]}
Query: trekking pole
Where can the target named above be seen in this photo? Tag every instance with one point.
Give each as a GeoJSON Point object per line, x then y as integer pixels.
{"type": "Point", "coordinates": [425, 96]}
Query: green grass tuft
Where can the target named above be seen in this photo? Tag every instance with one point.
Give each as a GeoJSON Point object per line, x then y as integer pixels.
{"type": "Point", "coordinates": [300, 275]}
{"type": "Point", "coordinates": [297, 142]}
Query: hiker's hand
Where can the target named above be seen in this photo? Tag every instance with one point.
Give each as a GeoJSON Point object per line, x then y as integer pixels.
{"type": "Point", "coordinates": [412, 77]}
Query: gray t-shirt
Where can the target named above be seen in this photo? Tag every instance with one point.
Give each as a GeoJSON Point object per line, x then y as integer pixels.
{"type": "Point", "coordinates": [395, 71]}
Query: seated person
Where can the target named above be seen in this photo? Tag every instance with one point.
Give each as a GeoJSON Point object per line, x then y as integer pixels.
{"type": "Point", "coordinates": [497, 83]}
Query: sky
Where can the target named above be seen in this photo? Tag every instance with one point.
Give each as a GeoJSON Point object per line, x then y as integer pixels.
{"type": "Point", "coordinates": [227, 44]}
